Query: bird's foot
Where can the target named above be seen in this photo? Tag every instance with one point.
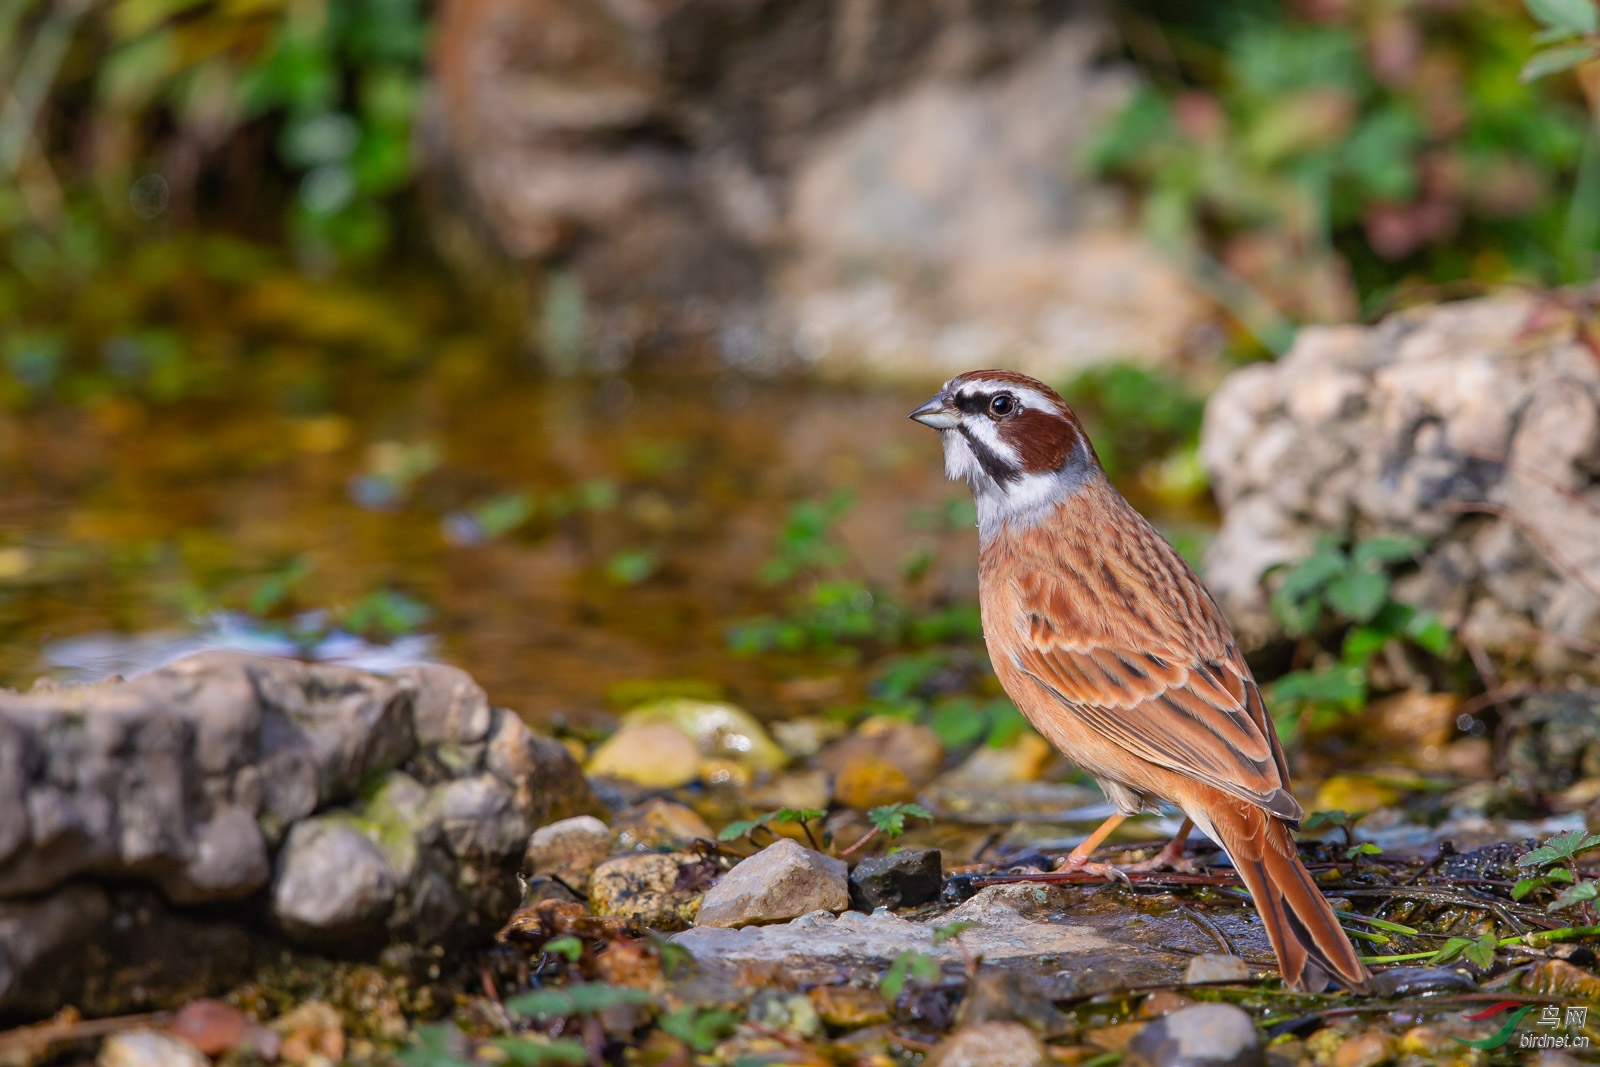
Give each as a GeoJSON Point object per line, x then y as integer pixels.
{"type": "Point", "coordinates": [1085, 866]}
{"type": "Point", "coordinates": [1165, 860]}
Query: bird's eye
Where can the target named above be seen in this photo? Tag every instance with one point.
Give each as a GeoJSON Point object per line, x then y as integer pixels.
{"type": "Point", "coordinates": [1002, 405]}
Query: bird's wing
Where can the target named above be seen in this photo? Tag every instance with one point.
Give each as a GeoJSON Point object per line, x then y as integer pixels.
{"type": "Point", "coordinates": [1201, 716]}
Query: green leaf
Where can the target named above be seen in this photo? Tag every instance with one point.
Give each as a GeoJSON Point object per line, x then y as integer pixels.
{"type": "Point", "coordinates": [1358, 594]}
{"type": "Point", "coordinates": [738, 828]}
{"type": "Point", "coordinates": [1570, 16]}
{"type": "Point", "coordinates": [568, 946]}
{"type": "Point", "coordinates": [1366, 848]}
{"type": "Point", "coordinates": [800, 815]}
{"type": "Point", "coordinates": [579, 998]}
{"type": "Point", "coordinates": [958, 723]}
{"type": "Point", "coordinates": [699, 1028]}
{"type": "Point", "coordinates": [1426, 630]}
{"type": "Point", "coordinates": [528, 1051]}
{"type": "Point", "coordinates": [1452, 948]}
{"type": "Point", "coordinates": [894, 979]}
{"type": "Point", "coordinates": [436, 1046]}
{"type": "Point", "coordinates": [1362, 643]}
{"type": "Point", "coordinates": [1560, 848]}
{"type": "Point", "coordinates": [1555, 60]}
{"type": "Point", "coordinates": [1524, 887]}
{"type": "Point", "coordinates": [891, 818]}
{"type": "Point", "coordinates": [1319, 819]}
{"type": "Point", "coordinates": [1386, 550]}
{"type": "Point", "coordinates": [941, 934]}
{"type": "Point", "coordinates": [1481, 952]}
{"type": "Point", "coordinates": [1559, 874]}
{"type": "Point", "coordinates": [1574, 895]}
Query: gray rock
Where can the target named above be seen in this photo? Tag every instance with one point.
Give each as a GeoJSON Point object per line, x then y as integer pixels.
{"type": "Point", "coordinates": [1452, 423]}
{"type": "Point", "coordinates": [148, 1048]}
{"type": "Point", "coordinates": [783, 881]}
{"type": "Point", "coordinates": [1216, 967]}
{"type": "Point", "coordinates": [901, 879]}
{"type": "Point", "coordinates": [992, 1044]}
{"type": "Point", "coordinates": [201, 779]}
{"type": "Point", "coordinates": [1088, 945]}
{"type": "Point", "coordinates": [1205, 1035]}
{"type": "Point", "coordinates": [479, 817]}
{"type": "Point", "coordinates": [447, 706]}
{"type": "Point", "coordinates": [333, 884]}
{"type": "Point", "coordinates": [569, 850]}
{"type": "Point", "coordinates": [1011, 996]}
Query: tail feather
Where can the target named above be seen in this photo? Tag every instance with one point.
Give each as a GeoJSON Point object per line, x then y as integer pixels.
{"type": "Point", "coordinates": [1313, 950]}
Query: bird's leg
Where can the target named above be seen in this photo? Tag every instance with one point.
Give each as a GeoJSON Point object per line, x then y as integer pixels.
{"type": "Point", "coordinates": [1078, 858]}
{"type": "Point", "coordinates": [1170, 857]}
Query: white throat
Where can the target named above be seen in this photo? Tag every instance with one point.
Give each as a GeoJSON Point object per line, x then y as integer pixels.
{"type": "Point", "coordinates": [1019, 502]}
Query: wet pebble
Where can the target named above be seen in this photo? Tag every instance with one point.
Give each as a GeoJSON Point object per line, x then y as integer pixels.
{"type": "Point", "coordinates": [901, 879]}
{"type": "Point", "coordinates": [1411, 981]}
{"type": "Point", "coordinates": [884, 762]}
{"type": "Point", "coordinates": [1365, 1050]}
{"type": "Point", "coordinates": [1216, 967]}
{"type": "Point", "coordinates": [642, 888]}
{"type": "Point", "coordinates": [569, 850]}
{"type": "Point", "coordinates": [1205, 1035]}
{"type": "Point", "coordinates": [659, 824]}
{"type": "Point", "coordinates": [215, 1027]}
{"type": "Point", "coordinates": [313, 1034]}
{"type": "Point", "coordinates": [845, 1007]}
{"type": "Point", "coordinates": [654, 754]}
{"type": "Point", "coordinates": [781, 882]}
{"type": "Point", "coordinates": [1562, 978]}
{"type": "Point", "coordinates": [148, 1048]}
{"type": "Point", "coordinates": [994, 1044]}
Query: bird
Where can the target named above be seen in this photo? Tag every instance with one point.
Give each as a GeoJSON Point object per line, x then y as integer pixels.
{"type": "Point", "coordinates": [1108, 642]}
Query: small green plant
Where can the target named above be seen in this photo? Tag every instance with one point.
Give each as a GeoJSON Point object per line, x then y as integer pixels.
{"type": "Point", "coordinates": [700, 1028]}
{"type": "Point", "coordinates": [1345, 823]}
{"type": "Point", "coordinates": [1569, 35]}
{"type": "Point", "coordinates": [1351, 589]}
{"type": "Point", "coordinates": [747, 827]}
{"type": "Point", "coordinates": [808, 540]}
{"type": "Point", "coordinates": [386, 613]}
{"type": "Point", "coordinates": [1477, 951]}
{"type": "Point", "coordinates": [577, 998]}
{"type": "Point", "coordinates": [528, 1051]}
{"type": "Point", "coordinates": [907, 967]}
{"type": "Point", "coordinates": [891, 818]}
{"type": "Point", "coordinates": [568, 946]}
{"type": "Point", "coordinates": [1556, 863]}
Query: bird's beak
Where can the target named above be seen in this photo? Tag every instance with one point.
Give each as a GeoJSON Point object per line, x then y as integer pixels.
{"type": "Point", "coordinates": [938, 413]}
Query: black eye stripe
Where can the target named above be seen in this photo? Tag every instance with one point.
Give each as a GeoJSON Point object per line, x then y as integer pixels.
{"type": "Point", "coordinates": [972, 403]}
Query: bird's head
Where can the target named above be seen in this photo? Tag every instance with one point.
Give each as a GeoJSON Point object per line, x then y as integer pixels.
{"type": "Point", "coordinates": [1013, 439]}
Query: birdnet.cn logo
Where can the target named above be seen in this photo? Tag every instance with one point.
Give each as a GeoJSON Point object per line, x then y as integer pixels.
{"type": "Point", "coordinates": [1552, 1029]}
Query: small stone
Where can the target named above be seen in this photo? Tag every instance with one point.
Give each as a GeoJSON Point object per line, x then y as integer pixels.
{"type": "Point", "coordinates": [1113, 1038]}
{"type": "Point", "coordinates": [1352, 793]}
{"type": "Point", "coordinates": [781, 882]}
{"type": "Point", "coordinates": [215, 1027]}
{"type": "Point", "coordinates": [332, 883]}
{"type": "Point", "coordinates": [785, 1013]}
{"type": "Point", "coordinates": [719, 730]}
{"type": "Point", "coordinates": [313, 1034]}
{"type": "Point", "coordinates": [901, 879]}
{"type": "Point", "coordinates": [148, 1048]}
{"type": "Point", "coordinates": [1562, 978]}
{"type": "Point", "coordinates": [1206, 1035]}
{"type": "Point", "coordinates": [1023, 760]}
{"type": "Point", "coordinates": [996, 1044]}
{"type": "Point", "coordinates": [1365, 1050]}
{"type": "Point", "coordinates": [1162, 1002]}
{"type": "Point", "coordinates": [569, 850]}
{"type": "Point", "coordinates": [657, 755]}
{"type": "Point", "coordinates": [1324, 1044]}
{"type": "Point", "coordinates": [641, 888]}
{"type": "Point", "coordinates": [1009, 996]}
{"type": "Point", "coordinates": [660, 824]}
{"type": "Point", "coordinates": [1424, 1041]}
{"type": "Point", "coordinates": [884, 762]}
{"type": "Point", "coordinates": [847, 1007]}
{"type": "Point", "coordinates": [800, 789]}
{"type": "Point", "coordinates": [1216, 967]}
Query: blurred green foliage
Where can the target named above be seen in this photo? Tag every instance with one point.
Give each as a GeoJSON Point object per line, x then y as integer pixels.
{"type": "Point", "coordinates": [1317, 160]}
{"type": "Point", "coordinates": [138, 108]}
{"type": "Point", "coordinates": [1343, 596]}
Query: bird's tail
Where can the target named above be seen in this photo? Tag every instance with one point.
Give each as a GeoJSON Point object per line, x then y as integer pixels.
{"type": "Point", "coordinates": [1313, 950]}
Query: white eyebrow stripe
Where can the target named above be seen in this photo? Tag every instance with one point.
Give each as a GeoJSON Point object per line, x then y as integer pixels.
{"type": "Point", "coordinates": [1027, 396]}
